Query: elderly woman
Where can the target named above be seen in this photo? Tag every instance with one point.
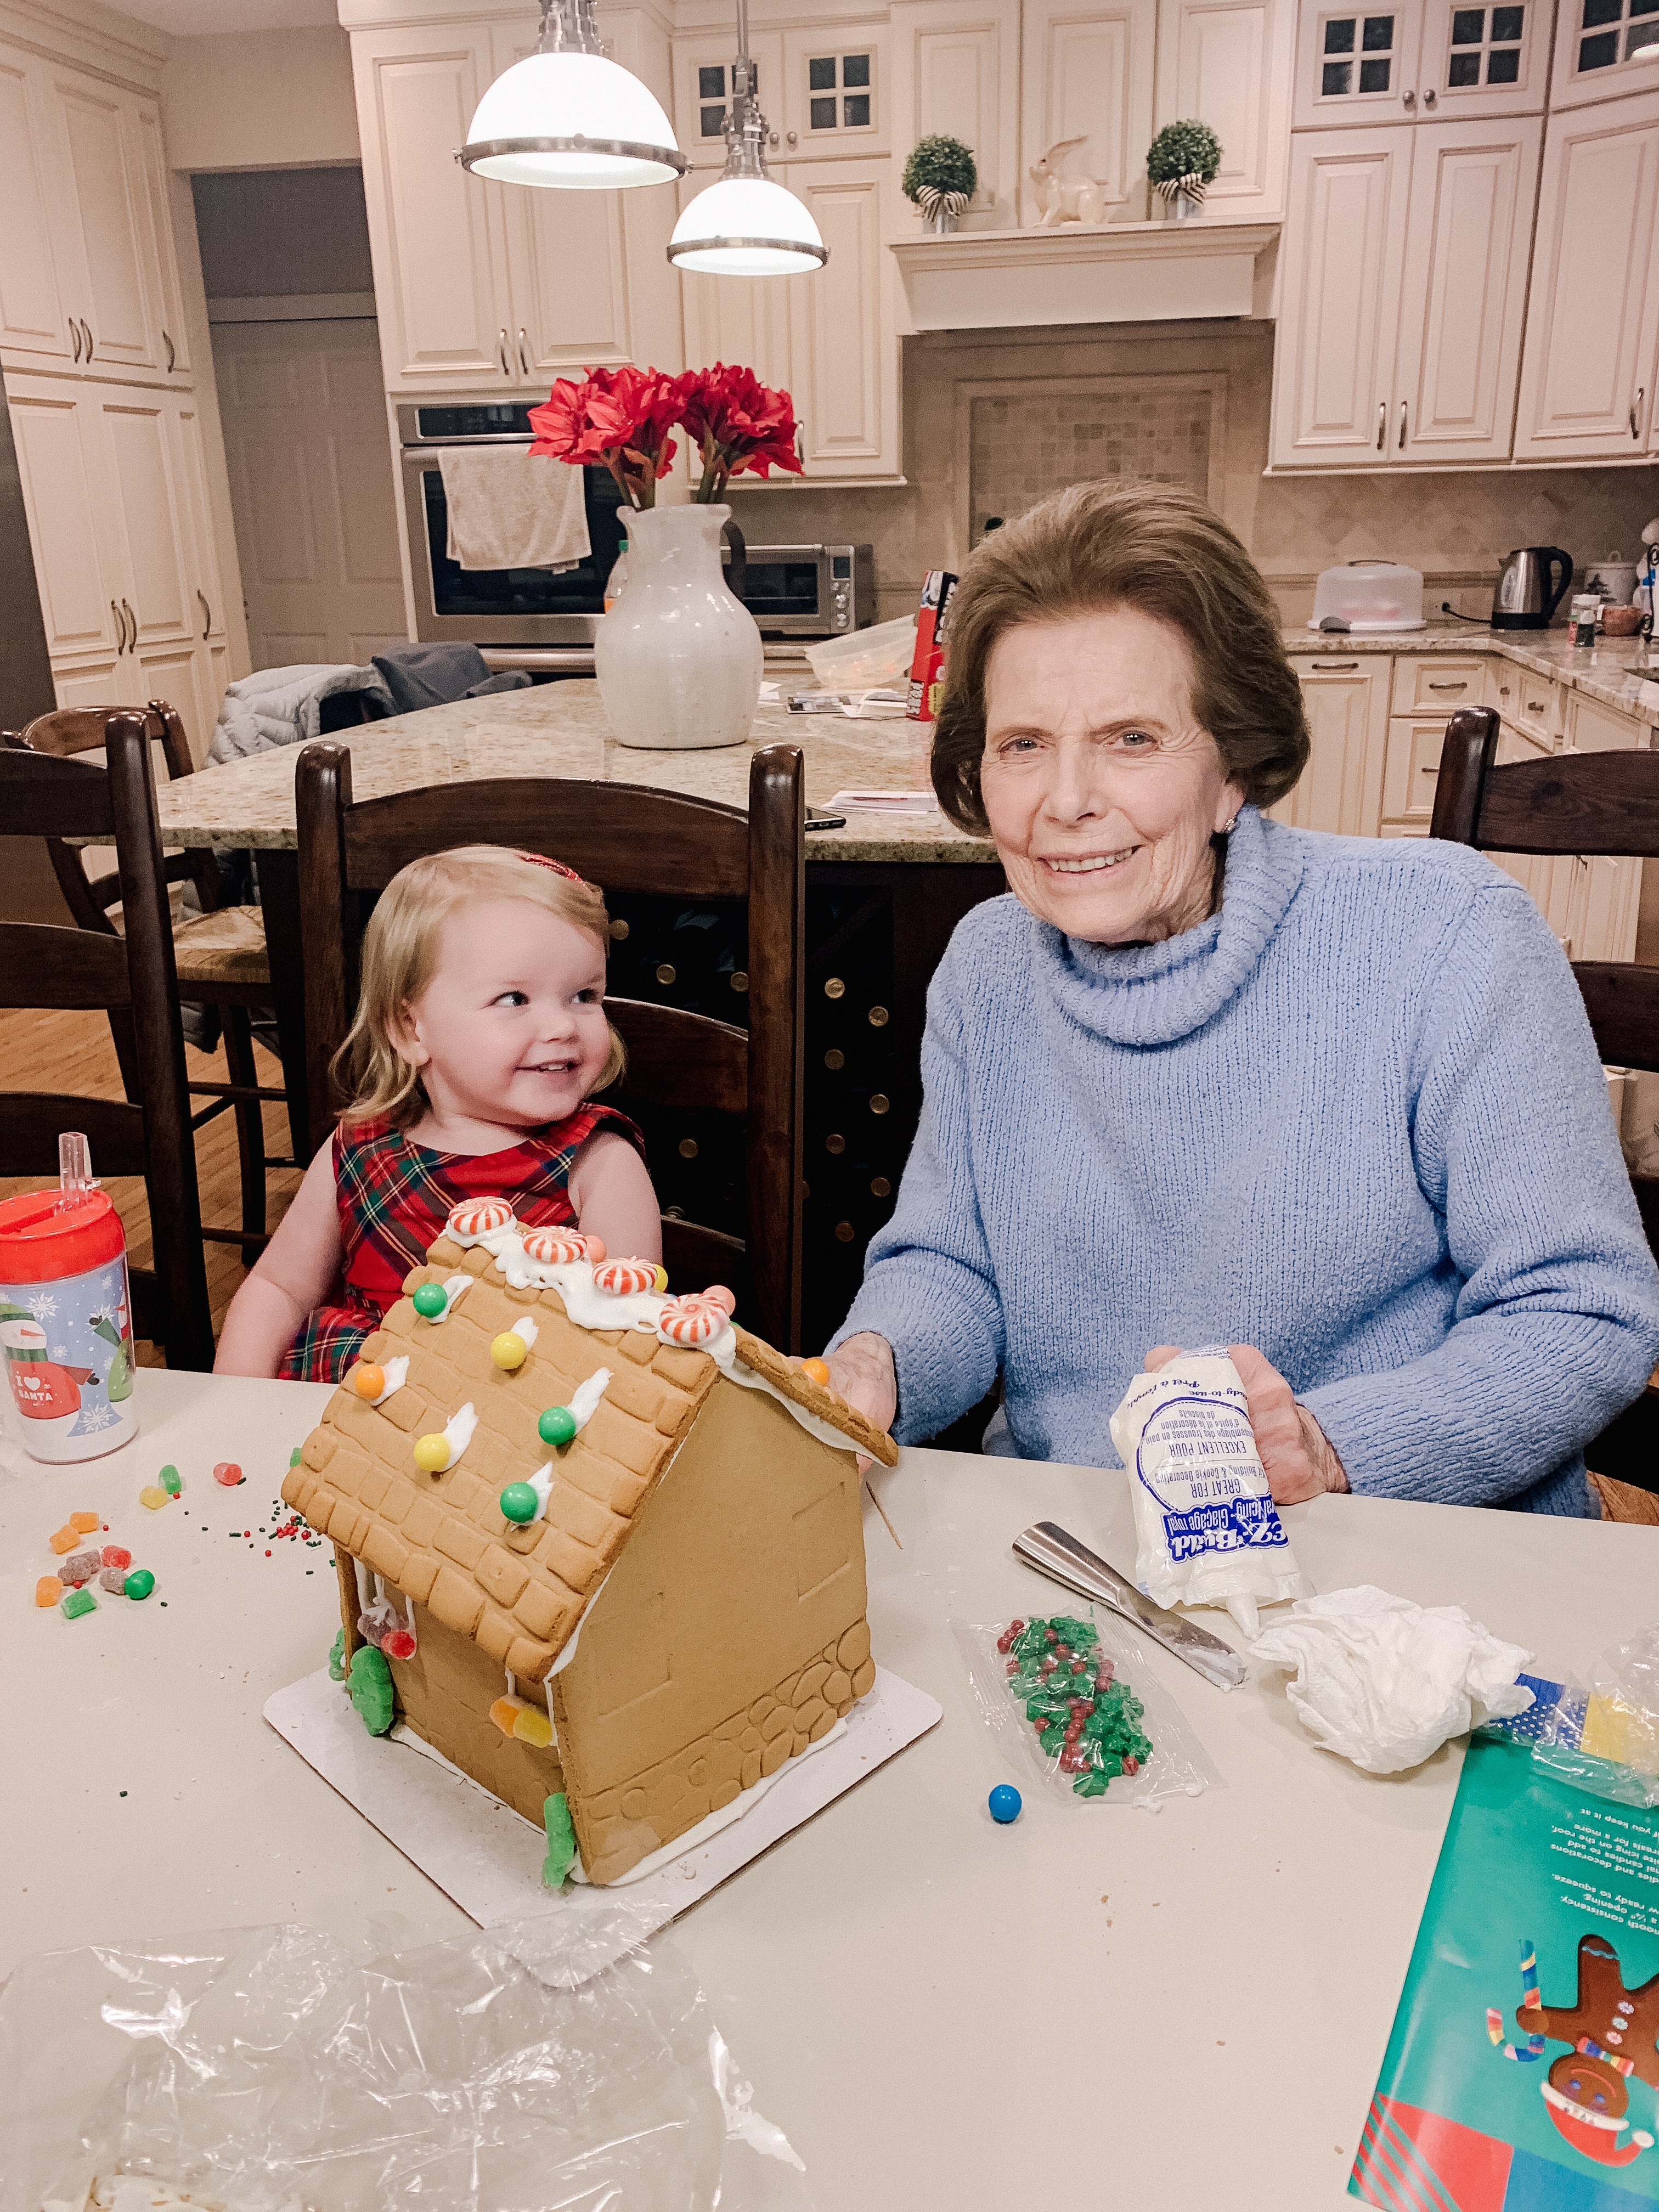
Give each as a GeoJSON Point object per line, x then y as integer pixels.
{"type": "Point", "coordinates": [1202, 1077]}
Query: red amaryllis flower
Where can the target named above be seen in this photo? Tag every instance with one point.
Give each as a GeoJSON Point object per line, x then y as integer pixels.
{"type": "Point", "coordinates": [739, 425]}
{"type": "Point", "coordinates": [620, 418]}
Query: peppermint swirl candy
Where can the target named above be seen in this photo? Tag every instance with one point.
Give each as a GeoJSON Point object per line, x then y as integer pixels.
{"type": "Point", "coordinates": [691, 1320]}
{"type": "Point", "coordinates": [626, 1278]}
{"type": "Point", "coordinates": [479, 1217]}
{"type": "Point", "coordinates": [561, 1247]}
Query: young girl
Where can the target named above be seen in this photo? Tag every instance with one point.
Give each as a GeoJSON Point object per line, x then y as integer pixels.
{"type": "Point", "coordinates": [480, 1035]}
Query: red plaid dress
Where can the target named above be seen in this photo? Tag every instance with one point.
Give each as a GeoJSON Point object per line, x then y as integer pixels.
{"type": "Point", "coordinates": [394, 1199]}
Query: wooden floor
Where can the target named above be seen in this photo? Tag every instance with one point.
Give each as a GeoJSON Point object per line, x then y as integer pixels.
{"type": "Point", "coordinates": [51, 1052]}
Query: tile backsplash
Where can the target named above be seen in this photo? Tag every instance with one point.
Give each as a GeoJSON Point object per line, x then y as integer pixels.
{"type": "Point", "coordinates": [1183, 404]}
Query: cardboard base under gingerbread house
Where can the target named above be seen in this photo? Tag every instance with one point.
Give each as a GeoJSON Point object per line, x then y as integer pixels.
{"type": "Point", "coordinates": [488, 1857]}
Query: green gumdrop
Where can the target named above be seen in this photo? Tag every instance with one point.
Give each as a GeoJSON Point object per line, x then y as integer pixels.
{"type": "Point", "coordinates": [139, 1584]}
{"type": "Point", "coordinates": [77, 1602]}
{"type": "Point", "coordinates": [336, 1657]}
{"type": "Point", "coordinates": [560, 1840]}
{"type": "Point", "coordinates": [293, 1456]}
{"type": "Point", "coordinates": [370, 1685]}
{"type": "Point", "coordinates": [430, 1299]}
{"type": "Point", "coordinates": [170, 1482]}
{"type": "Point", "coordinates": [557, 1425]}
{"type": "Point", "coordinates": [519, 1502]}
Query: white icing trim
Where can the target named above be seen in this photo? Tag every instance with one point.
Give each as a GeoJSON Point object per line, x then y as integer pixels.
{"type": "Point", "coordinates": [512, 1682]}
{"type": "Point", "coordinates": [458, 1433]}
{"type": "Point", "coordinates": [693, 1839]}
{"type": "Point", "coordinates": [542, 1483]}
{"type": "Point", "coordinates": [524, 1326]}
{"type": "Point", "coordinates": [585, 1398]}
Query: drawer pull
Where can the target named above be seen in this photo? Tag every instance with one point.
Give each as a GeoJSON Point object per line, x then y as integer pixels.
{"type": "Point", "coordinates": [1334, 667]}
{"type": "Point", "coordinates": [1535, 706]}
{"type": "Point", "coordinates": [1448, 687]}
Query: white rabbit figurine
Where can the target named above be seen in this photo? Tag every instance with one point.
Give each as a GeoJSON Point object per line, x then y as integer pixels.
{"type": "Point", "coordinates": [1068, 199]}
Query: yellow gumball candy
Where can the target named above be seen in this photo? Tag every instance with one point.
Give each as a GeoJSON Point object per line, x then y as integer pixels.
{"type": "Point", "coordinates": [367, 1380]}
{"type": "Point", "coordinates": [662, 1278]}
{"type": "Point", "coordinates": [432, 1453]}
{"type": "Point", "coordinates": [508, 1350]}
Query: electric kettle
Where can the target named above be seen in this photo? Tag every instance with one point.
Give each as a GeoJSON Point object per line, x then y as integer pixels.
{"type": "Point", "coordinates": [1526, 597]}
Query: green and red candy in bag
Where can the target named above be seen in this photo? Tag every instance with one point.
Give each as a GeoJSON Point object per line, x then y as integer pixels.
{"type": "Point", "coordinates": [1082, 1714]}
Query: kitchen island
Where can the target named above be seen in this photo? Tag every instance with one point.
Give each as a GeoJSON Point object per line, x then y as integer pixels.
{"type": "Point", "coordinates": [882, 895]}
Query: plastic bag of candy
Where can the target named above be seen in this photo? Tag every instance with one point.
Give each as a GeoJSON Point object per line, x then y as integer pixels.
{"type": "Point", "coordinates": [1076, 1710]}
{"type": "Point", "coordinates": [1604, 1739]}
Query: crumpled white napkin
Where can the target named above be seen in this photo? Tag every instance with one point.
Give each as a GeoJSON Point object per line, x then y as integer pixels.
{"type": "Point", "coordinates": [1385, 1682]}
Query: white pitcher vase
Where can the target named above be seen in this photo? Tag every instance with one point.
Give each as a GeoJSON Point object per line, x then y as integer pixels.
{"type": "Point", "coordinates": [679, 658]}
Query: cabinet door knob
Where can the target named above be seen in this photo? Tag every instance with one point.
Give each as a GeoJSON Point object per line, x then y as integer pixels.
{"type": "Point", "coordinates": [523, 354]}
{"type": "Point", "coordinates": [1400, 447]}
{"type": "Point", "coordinates": [1382, 423]}
{"type": "Point", "coordinates": [1635, 408]}
{"type": "Point", "coordinates": [120, 630]}
{"type": "Point", "coordinates": [86, 333]}
{"type": "Point", "coordinates": [172, 354]}
{"type": "Point", "coordinates": [500, 350]}
{"type": "Point", "coordinates": [75, 334]}
{"type": "Point", "coordinates": [790, 137]}
{"type": "Point", "coordinates": [132, 624]}
{"type": "Point", "coordinates": [1408, 100]}
{"type": "Point", "coordinates": [206, 612]}
{"type": "Point", "coordinates": [1428, 99]}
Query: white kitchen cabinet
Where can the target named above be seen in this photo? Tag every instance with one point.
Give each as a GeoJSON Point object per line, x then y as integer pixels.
{"type": "Point", "coordinates": [1602, 51]}
{"type": "Point", "coordinates": [34, 324]}
{"type": "Point", "coordinates": [1587, 369]}
{"type": "Point", "coordinates": [1427, 61]}
{"type": "Point", "coordinates": [1335, 350]}
{"type": "Point", "coordinates": [1088, 73]}
{"type": "Point", "coordinates": [1532, 703]}
{"type": "Point", "coordinates": [837, 100]}
{"type": "Point", "coordinates": [1346, 698]}
{"type": "Point", "coordinates": [64, 465]}
{"type": "Point", "coordinates": [1468, 234]}
{"type": "Point", "coordinates": [437, 233]}
{"type": "Point", "coordinates": [843, 348]}
{"type": "Point", "coordinates": [162, 262]}
{"type": "Point", "coordinates": [702, 92]}
{"type": "Point", "coordinates": [954, 69]}
{"type": "Point", "coordinates": [1228, 63]}
{"type": "Point", "coordinates": [100, 211]}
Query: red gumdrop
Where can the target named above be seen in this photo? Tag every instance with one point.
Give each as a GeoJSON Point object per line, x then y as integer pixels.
{"type": "Point", "coordinates": [1130, 1763]}
{"type": "Point", "coordinates": [1013, 1667]}
{"type": "Point", "coordinates": [227, 1474]}
{"type": "Point", "coordinates": [1015, 1626]}
{"type": "Point", "coordinates": [1003, 1641]}
{"type": "Point", "coordinates": [116, 1555]}
{"type": "Point", "coordinates": [397, 1643]}
{"type": "Point", "coordinates": [1053, 1635]}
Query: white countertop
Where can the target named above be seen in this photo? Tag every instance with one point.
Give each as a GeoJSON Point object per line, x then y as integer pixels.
{"type": "Point", "coordinates": [1187, 2009]}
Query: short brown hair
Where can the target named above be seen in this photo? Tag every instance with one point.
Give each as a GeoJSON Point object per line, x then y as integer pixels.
{"type": "Point", "coordinates": [1101, 545]}
{"type": "Point", "coordinates": [400, 956]}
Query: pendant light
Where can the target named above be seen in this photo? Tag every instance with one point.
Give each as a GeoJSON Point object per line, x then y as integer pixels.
{"type": "Point", "coordinates": [568, 116]}
{"type": "Point", "coordinates": [746, 225]}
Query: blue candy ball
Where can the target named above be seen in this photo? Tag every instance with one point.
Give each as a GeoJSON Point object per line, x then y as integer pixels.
{"type": "Point", "coordinates": [1004, 1801]}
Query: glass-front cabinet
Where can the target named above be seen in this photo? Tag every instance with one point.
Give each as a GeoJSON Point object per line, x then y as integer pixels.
{"type": "Point", "coordinates": [1605, 47]}
{"type": "Point", "coordinates": [1424, 62]}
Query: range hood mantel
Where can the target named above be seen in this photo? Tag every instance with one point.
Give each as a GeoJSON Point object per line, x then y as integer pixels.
{"type": "Point", "coordinates": [1130, 272]}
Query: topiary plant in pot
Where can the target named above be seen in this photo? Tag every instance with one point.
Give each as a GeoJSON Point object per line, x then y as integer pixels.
{"type": "Point", "coordinates": [1182, 160]}
{"type": "Point", "coordinates": [941, 179]}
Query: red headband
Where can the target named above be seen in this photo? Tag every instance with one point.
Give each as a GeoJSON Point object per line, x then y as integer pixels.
{"type": "Point", "coordinates": [541, 861]}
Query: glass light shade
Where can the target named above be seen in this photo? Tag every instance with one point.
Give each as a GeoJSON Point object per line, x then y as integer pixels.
{"type": "Point", "coordinates": [746, 227]}
{"type": "Point", "coordinates": [566, 97]}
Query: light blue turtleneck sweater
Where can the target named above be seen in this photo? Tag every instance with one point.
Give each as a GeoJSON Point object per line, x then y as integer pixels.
{"type": "Point", "coordinates": [1355, 1119]}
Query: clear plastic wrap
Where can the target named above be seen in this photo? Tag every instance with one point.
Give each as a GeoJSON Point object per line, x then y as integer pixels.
{"type": "Point", "coordinates": [270, 2069]}
{"type": "Point", "coordinates": [1177, 1766]}
{"type": "Point", "coordinates": [1605, 1739]}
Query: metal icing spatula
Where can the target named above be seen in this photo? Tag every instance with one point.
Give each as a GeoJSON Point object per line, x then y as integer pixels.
{"type": "Point", "coordinates": [1055, 1552]}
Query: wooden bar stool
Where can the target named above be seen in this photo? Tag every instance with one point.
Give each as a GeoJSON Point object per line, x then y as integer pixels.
{"type": "Point", "coordinates": [220, 955]}
{"type": "Point", "coordinates": [1589, 804]}
{"type": "Point", "coordinates": [130, 977]}
{"type": "Point", "coordinates": [626, 839]}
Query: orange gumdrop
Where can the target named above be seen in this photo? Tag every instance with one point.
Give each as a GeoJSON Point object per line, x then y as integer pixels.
{"type": "Point", "coordinates": [816, 1371]}
{"type": "Point", "coordinates": [504, 1713]}
{"type": "Point", "coordinates": [84, 1523]}
{"type": "Point", "coordinates": [48, 1591]}
{"type": "Point", "coordinates": [64, 1541]}
{"type": "Point", "coordinates": [367, 1380]}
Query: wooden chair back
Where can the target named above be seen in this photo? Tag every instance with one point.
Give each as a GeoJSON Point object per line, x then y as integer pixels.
{"type": "Point", "coordinates": [1593, 803]}
{"type": "Point", "coordinates": [132, 978]}
{"type": "Point", "coordinates": [68, 731]}
{"type": "Point", "coordinates": [629, 840]}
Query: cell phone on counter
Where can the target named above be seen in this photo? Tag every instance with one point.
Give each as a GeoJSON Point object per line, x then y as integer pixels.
{"type": "Point", "coordinates": [826, 822]}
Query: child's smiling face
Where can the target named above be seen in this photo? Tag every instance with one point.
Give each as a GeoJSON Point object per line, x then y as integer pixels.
{"type": "Point", "coordinates": [510, 1028]}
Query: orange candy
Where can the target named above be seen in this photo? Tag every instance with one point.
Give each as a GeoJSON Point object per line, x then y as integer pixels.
{"type": "Point", "coordinates": [367, 1380]}
{"type": "Point", "coordinates": [504, 1713]}
{"type": "Point", "coordinates": [816, 1372]}
{"type": "Point", "coordinates": [48, 1591]}
{"type": "Point", "coordinates": [84, 1523]}
{"type": "Point", "coordinates": [65, 1540]}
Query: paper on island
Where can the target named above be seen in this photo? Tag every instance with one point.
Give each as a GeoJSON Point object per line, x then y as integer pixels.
{"type": "Point", "coordinates": [884, 802]}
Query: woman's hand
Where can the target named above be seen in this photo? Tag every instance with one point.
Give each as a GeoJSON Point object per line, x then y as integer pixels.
{"type": "Point", "coordinates": [1297, 1457]}
{"type": "Point", "coordinates": [862, 1370]}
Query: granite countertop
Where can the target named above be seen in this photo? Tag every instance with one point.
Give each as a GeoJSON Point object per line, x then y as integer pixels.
{"type": "Point", "coordinates": [1612, 671]}
{"type": "Point", "coordinates": [560, 730]}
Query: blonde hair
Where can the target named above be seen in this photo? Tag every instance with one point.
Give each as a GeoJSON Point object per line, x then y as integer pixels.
{"type": "Point", "coordinates": [400, 954]}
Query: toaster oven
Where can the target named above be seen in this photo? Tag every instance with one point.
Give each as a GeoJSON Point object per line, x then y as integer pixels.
{"type": "Point", "coordinates": [809, 591]}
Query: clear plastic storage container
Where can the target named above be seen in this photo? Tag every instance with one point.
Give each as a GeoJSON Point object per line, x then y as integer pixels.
{"type": "Point", "coordinates": [1369, 596]}
{"type": "Point", "coordinates": [868, 658]}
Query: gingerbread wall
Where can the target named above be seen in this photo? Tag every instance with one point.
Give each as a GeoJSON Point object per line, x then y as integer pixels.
{"type": "Point", "coordinates": [741, 1580]}
{"type": "Point", "coordinates": [445, 1693]}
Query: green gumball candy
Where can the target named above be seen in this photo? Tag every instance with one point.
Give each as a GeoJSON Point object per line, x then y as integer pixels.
{"type": "Point", "coordinates": [139, 1584]}
{"type": "Point", "coordinates": [557, 1425]}
{"type": "Point", "coordinates": [430, 1299]}
{"type": "Point", "coordinates": [519, 1502]}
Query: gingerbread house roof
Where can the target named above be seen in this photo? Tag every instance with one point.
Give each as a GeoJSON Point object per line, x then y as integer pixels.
{"type": "Point", "coordinates": [519, 1592]}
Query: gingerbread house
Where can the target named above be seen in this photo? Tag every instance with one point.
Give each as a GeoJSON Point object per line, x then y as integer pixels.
{"type": "Point", "coordinates": [610, 1546]}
